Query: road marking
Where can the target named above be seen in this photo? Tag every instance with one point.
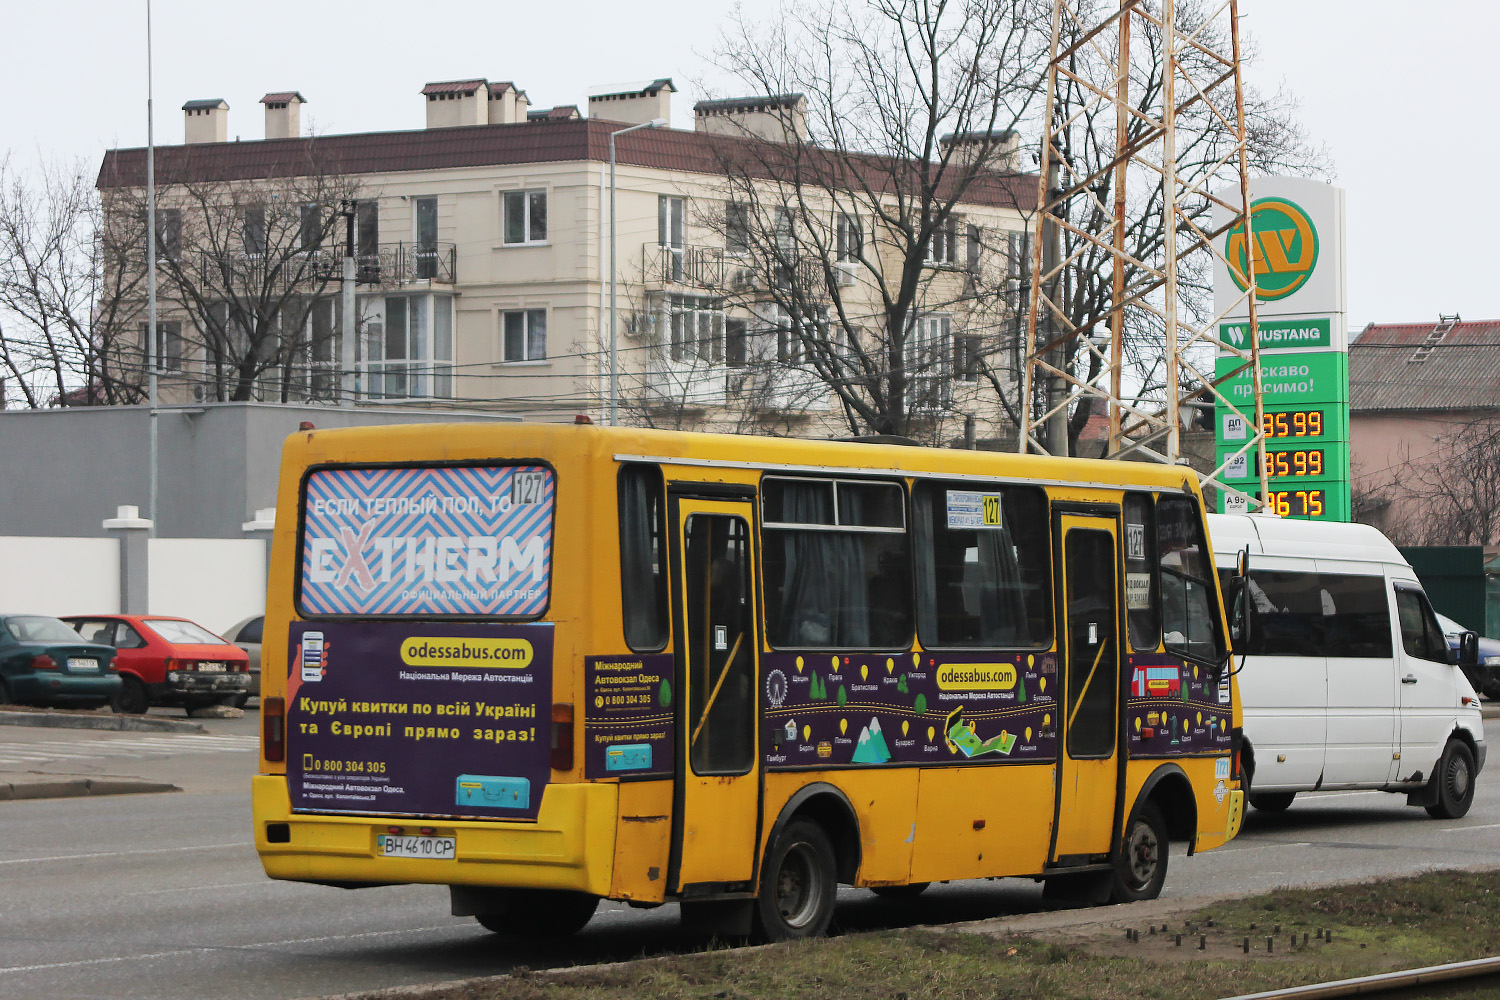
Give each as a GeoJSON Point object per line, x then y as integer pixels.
{"type": "Point", "coordinates": [123, 746]}
{"type": "Point", "coordinates": [238, 947]}
{"type": "Point", "coordinates": [198, 888]}
{"type": "Point", "coordinates": [1261, 847]}
{"type": "Point", "coordinates": [121, 854]}
{"type": "Point", "coordinates": [1465, 829]}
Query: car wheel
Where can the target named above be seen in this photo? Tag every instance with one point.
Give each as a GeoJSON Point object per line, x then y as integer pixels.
{"type": "Point", "coordinates": [1272, 802]}
{"type": "Point", "coordinates": [539, 913]}
{"type": "Point", "coordinates": [909, 891]}
{"type": "Point", "coordinates": [240, 701]}
{"type": "Point", "coordinates": [132, 699]}
{"type": "Point", "coordinates": [1141, 867]}
{"type": "Point", "coordinates": [797, 885]}
{"type": "Point", "coordinates": [1455, 782]}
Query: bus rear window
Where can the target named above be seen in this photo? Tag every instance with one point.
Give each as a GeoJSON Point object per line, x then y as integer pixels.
{"type": "Point", "coordinates": [454, 541]}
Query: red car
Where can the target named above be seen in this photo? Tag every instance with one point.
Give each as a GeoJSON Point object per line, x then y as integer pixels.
{"type": "Point", "coordinates": [168, 661]}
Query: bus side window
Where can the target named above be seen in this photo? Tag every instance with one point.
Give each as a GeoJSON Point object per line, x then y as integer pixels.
{"type": "Point", "coordinates": [982, 586]}
{"type": "Point", "coordinates": [643, 553]}
{"type": "Point", "coordinates": [1142, 595]}
{"type": "Point", "coordinates": [1188, 593]}
{"type": "Point", "coordinates": [835, 564]}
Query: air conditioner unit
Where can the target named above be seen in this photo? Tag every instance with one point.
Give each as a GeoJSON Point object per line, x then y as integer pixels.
{"type": "Point", "coordinates": [845, 274]}
{"type": "Point", "coordinates": [742, 277]}
{"type": "Point", "coordinates": [638, 324]}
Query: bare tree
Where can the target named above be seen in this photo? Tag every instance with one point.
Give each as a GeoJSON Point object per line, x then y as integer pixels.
{"type": "Point", "coordinates": [248, 271]}
{"type": "Point", "coordinates": [1456, 487]}
{"type": "Point", "coordinates": [846, 224]}
{"type": "Point", "coordinates": [61, 310]}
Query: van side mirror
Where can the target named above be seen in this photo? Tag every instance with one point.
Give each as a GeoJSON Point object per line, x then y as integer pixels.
{"type": "Point", "coordinates": [1468, 651]}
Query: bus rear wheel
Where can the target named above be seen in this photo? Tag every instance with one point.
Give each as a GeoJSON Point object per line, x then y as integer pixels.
{"type": "Point", "coordinates": [1141, 867]}
{"type": "Point", "coordinates": [797, 885]}
{"type": "Point", "coordinates": [539, 912]}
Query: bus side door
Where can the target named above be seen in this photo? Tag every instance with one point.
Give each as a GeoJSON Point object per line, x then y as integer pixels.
{"type": "Point", "coordinates": [1089, 759]}
{"type": "Point", "coordinates": [717, 800]}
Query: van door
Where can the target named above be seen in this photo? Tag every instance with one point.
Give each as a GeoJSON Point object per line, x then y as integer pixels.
{"type": "Point", "coordinates": [717, 810]}
{"type": "Point", "coordinates": [1362, 681]}
{"type": "Point", "coordinates": [1429, 687]}
{"type": "Point", "coordinates": [1284, 683]}
{"type": "Point", "coordinates": [1089, 765]}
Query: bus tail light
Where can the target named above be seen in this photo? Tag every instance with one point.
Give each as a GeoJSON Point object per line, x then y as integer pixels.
{"type": "Point", "coordinates": [273, 728]}
{"type": "Point", "coordinates": [562, 736]}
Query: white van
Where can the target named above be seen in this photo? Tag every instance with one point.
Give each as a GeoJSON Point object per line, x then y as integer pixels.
{"type": "Point", "coordinates": [1347, 681]}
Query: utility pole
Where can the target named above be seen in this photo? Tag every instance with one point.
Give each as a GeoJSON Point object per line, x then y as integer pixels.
{"type": "Point", "coordinates": [1057, 389]}
{"type": "Point", "coordinates": [349, 379]}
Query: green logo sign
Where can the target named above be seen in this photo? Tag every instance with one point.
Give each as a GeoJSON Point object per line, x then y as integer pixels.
{"type": "Point", "coordinates": [1285, 250]}
{"type": "Point", "coordinates": [1281, 334]}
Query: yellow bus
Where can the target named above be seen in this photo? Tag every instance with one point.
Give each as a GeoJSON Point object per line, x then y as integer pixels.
{"type": "Point", "coordinates": [547, 665]}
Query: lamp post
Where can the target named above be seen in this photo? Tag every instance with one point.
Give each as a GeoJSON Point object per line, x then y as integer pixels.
{"type": "Point", "coordinates": [153, 361]}
{"type": "Point", "coordinates": [614, 328]}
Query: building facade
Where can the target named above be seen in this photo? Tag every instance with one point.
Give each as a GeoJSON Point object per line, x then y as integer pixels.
{"type": "Point", "coordinates": [743, 297]}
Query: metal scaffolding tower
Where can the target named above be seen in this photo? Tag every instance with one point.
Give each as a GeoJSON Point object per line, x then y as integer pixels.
{"type": "Point", "coordinates": [1186, 66]}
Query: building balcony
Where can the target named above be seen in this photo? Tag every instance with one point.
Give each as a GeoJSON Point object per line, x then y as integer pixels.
{"type": "Point", "coordinates": [717, 271]}
{"type": "Point", "coordinates": [391, 265]}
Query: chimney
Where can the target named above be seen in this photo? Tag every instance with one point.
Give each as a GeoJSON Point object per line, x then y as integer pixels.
{"type": "Point", "coordinates": [283, 114]}
{"type": "Point", "coordinates": [205, 121]}
{"type": "Point", "coordinates": [775, 117]}
{"type": "Point", "coordinates": [507, 104]}
{"type": "Point", "coordinates": [1004, 148]}
{"type": "Point", "coordinates": [634, 103]}
{"type": "Point", "coordinates": [457, 102]}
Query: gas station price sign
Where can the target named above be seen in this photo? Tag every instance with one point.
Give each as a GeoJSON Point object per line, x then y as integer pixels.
{"type": "Point", "coordinates": [1308, 423]}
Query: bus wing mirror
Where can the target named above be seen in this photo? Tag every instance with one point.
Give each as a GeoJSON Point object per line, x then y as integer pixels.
{"type": "Point", "coordinates": [1241, 620]}
{"type": "Point", "coordinates": [1242, 563]}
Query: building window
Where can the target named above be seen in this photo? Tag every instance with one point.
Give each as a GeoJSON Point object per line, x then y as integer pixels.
{"type": "Point", "coordinates": [943, 250]}
{"type": "Point", "coordinates": [737, 228]}
{"type": "Point", "coordinates": [736, 343]}
{"type": "Point", "coordinates": [785, 231]}
{"type": "Point", "coordinates": [311, 227]}
{"type": "Point", "coordinates": [525, 335]}
{"type": "Point", "coordinates": [424, 236]}
{"type": "Point", "coordinates": [695, 328]}
{"type": "Point", "coordinates": [367, 229]}
{"type": "Point", "coordinates": [410, 347]}
{"type": "Point", "coordinates": [525, 217]}
{"type": "Point", "coordinates": [255, 231]}
{"type": "Point", "coordinates": [927, 358]}
{"type": "Point", "coordinates": [169, 234]}
{"type": "Point", "coordinates": [850, 242]}
{"type": "Point", "coordinates": [168, 345]}
{"type": "Point", "coordinates": [967, 358]}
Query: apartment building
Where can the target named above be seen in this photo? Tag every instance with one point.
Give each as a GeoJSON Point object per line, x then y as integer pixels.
{"type": "Point", "coordinates": [743, 298]}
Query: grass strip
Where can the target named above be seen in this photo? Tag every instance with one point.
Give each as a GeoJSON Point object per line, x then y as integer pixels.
{"type": "Point", "coordinates": [1315, 935]}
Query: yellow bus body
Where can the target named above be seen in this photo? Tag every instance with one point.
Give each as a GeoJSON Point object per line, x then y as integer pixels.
{"type": "Point", "coordinates": [612, 837]}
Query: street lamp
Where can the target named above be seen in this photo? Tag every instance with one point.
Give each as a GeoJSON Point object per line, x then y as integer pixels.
{"type": "Point", "coordinates": [614, 328]}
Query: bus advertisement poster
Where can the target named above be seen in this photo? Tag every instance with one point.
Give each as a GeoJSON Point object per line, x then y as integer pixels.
{"type": "Point", "coordinates": [628, 719]}
{"type": "Point", "coordinates": [419, 718]}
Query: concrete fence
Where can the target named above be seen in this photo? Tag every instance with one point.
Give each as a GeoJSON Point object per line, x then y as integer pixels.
{"type": "Point", "coordinates": [214, 581]}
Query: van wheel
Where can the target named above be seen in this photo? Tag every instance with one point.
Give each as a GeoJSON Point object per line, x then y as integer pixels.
{"type": "Point", "coordinates": [797, 885]}
{"type": "Point", "coordinates": [909, 891]}
{"type": "Point", "coordinates": [132, 699]}
{"type": "Point", "coordinates": [539, 913]}
{"type": "Point", "coordinates": [1455, 782]}
{"type": "Point", "coordinates": [1272, 802]}
{"type": "Point", "coordinates": [1141, 867]}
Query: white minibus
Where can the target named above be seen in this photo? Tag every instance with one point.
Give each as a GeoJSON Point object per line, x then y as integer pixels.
{"type": "Point", "coordinates": [1346, 677]}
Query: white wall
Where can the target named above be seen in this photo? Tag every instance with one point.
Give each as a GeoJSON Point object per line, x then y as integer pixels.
{"type": "Point", "coordinates": [214, 581]}
{"type": "Point", "coordinates": [59, 576]}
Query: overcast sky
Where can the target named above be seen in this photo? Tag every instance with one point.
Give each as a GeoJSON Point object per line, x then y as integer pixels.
{"type": "Point", "coordinates": [1392, 87]}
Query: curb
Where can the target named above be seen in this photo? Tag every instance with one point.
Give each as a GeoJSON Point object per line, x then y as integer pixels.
{"type": "Point", "coordinates": [69, 788]}
{"type": "Point", "coordinates": [123, 723]}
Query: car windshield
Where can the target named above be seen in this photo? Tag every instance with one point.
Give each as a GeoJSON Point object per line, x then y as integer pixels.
{"type": "Point", "coordinates": [184, 632]}
{"type": "Point", "coordinates": [38, 628]}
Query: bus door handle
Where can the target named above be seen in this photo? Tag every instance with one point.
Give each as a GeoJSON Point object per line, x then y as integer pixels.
{"type": "Point", "coordinates": [1409, 679]}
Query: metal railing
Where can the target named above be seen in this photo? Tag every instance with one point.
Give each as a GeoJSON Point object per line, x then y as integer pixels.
{"type": "Point", "coordinates": [390, 264]}
{"type": "Point", "coordinates": [717, 270]}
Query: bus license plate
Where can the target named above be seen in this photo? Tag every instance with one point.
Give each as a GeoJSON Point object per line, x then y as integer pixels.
{"type": "Point", "coordinates": [437, 848]}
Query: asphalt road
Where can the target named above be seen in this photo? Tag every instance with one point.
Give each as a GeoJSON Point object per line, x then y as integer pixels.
{"type": "Point", "coordinates": [162, 895]}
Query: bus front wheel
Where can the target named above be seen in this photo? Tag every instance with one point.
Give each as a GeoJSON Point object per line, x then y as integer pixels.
{"type": "Point", "coordinates": [1141, 867]}
{"type": "Point", "coordinates": [797, 886]}
{"type": "Point", "coordinates": [539, 912]}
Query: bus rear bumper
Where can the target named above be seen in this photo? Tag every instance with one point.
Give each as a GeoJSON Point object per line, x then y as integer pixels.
{"type": "Point", "coordinates": [570, 846]}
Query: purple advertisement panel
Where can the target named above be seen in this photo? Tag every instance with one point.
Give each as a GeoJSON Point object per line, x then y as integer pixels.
{"type": "Point", "coordinates": [628, 716]}
{"type": "Point", "coordinates": [472, 541]}
{"type": "Point", "coordinates": [930, 708]}
{"type": "Point", "coordinates": [419, 718]}
{"type": "Point", "coordinates": [1175, 708]}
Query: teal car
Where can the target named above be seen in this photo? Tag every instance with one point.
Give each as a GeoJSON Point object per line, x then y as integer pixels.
{"type": "Point", "coordinates": [44, 662]}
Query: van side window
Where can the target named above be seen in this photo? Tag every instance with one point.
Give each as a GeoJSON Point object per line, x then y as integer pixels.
{"type": "Point", "coordinates": [1188, 596]}
{"type": "Point", "coordinates": [1288, 611]}
{"type": "Point", "coordinates": [1420, 635]}
{"type": "Point", "coordinates": [836, 569]}
{"type": "Point", "coordinates": [986, 585]}
{"type": "Point", "coordinates": [1357, 615]}
{"type": "Point", "coordinates": [643, 554]}
{"type": "Point", "coordinates": [1142, 597]}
